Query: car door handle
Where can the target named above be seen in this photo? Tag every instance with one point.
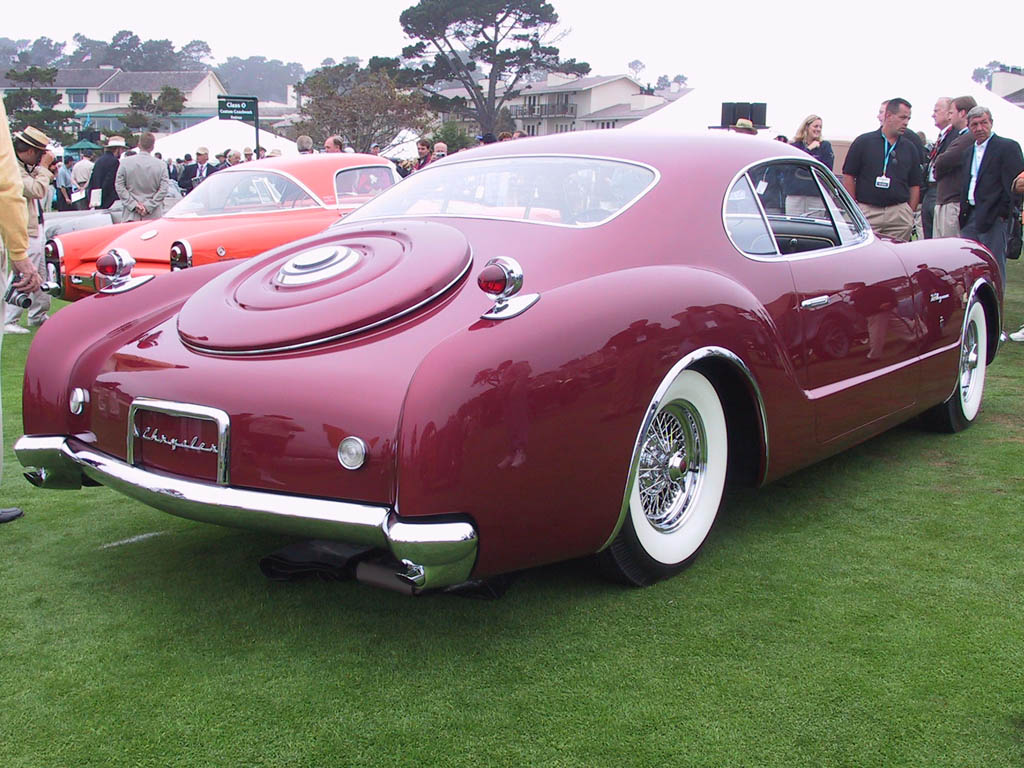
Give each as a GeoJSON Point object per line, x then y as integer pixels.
{"type": "Point", "coordinates": [817, 301]}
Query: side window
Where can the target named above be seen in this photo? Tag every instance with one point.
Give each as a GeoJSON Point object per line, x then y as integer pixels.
{"type": "Point", "coordinates": [744, 223]}
{"type": "Point", "coordinates": [798, 214]}
{"type": "Point", "coordinates": [851, 228]}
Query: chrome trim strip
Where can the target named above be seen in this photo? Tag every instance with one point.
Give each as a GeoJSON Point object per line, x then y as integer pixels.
{"type": "Point", "coordinates": [187, 410]}
{"type": "Point", "coordinates": [124, 286]}
{"type": "Point", "coordinates": [433, 553]}
{"type": "Point", "coordinates": [509, 308]}
{"type": "Point", "coordinates": [687, 361]}
{"type": "Point", "coordinates": [336, 337]}
{"type": "Point", "coordinates": [451, 160]}
{"type": "Point", "coordinates": [869, 238]}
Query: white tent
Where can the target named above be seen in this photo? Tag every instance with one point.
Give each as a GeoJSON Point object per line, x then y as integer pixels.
{"type": "Point", "coordinates": [217, 135]}
{"type": "Point", "coordinates": [846, 111]}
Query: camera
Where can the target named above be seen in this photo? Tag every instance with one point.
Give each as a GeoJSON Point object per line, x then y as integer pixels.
{"type": "Point", "coordinates": [24, 300]}
{"type": "Point", "coordinates": [13, 296]}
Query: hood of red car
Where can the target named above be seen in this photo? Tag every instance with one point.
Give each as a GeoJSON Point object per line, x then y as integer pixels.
{"type": "Point", "coordinates": [325, 287]}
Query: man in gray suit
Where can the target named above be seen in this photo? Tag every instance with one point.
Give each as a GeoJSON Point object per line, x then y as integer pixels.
{"type": "Point", "coordinates": [141, 182]}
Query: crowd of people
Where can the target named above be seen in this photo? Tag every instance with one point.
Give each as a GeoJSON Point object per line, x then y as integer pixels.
{"type": "Point", "coordinates": [968, 182]}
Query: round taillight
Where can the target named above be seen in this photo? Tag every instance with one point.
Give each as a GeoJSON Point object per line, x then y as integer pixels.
{"type": "Point", "coordinates": [108, 264]}
{"type": "Point", "coordinates": [50, 249]}
{"type": "Point", "coordinates": [493, 280]}
{"type": "Point", "coordinates": [352, 452]}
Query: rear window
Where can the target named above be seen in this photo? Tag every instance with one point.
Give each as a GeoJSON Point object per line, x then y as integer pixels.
{"type": "Point", "coordinates": [567, 191]}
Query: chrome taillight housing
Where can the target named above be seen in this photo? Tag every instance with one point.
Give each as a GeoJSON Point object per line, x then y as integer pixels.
{"type": "Point", "coordinates": [181, 255]}
{"type": "Point", "coordinates": [114, 272]}
{"type": "Point", "coordinates": [501, 279]}
{"type": "Point", "coordinates": [53, 255]}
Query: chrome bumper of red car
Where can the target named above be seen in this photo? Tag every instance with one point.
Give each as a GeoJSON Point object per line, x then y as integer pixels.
{"type": "Point", "coordinates": [431, 554]}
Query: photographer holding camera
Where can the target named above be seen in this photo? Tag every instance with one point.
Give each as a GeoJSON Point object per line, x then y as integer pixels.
{"type": "Point", "coordinates": [14, 237]}
{"type": "Point", "coordinates": [35, 162]}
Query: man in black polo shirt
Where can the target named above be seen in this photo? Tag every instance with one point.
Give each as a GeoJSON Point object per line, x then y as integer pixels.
{"type": "Point", "coordinates": [883, 174]}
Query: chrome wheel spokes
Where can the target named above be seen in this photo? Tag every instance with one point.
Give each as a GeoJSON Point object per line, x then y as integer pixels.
{"type": "Point", "coordinates": [672, 464]}
{"type": "Point", "coordinates": [969, 361]}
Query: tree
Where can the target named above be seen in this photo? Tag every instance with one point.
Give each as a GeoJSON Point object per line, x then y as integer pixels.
{"type": "Point", "coordinates": [636, 67]}
{"type": "Point", "coordinates": [679, 80]}
{"type": "Point", "coordinates": [34, 103]}
{"type": "Point", "coordinates": [362, 105]}
{"type": "Point", "coordinates": [663, 83]}
{"type": "Point", "coordinates": [489, 47]}
{"type": "Point", "coordinates": [43, 52]}
{"type": "Point", "coordinates": [983, 75]}
{"type": "Point", "coordinates": [256, 76]}
{"type": "Point", "coordinates": [158, 56]}
{"type": "Point", "coordinates": [192, 56]}
{"type": "Point", "coordinates": [455, 137]}
{"type": "Point", "coordinates": [127, 51]}
{"type": "Point", "coordinates": [146, 113]}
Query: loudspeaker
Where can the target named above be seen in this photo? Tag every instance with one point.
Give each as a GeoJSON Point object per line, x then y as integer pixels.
{"type": "Point", "coordinates": [756, 112]}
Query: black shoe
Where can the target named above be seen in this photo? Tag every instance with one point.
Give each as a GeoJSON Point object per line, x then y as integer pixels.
{"type": "Point", "coordinates": [10, 513]}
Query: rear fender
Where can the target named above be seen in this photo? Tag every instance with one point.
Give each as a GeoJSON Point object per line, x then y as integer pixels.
{"type": "Point", "coordinates": [72, 346]}
{"type": "Point", "coordinates": [527, 425]}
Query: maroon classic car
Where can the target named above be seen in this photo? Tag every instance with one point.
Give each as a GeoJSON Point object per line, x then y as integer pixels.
{"type": "Point", "coordinates": [526, 353]}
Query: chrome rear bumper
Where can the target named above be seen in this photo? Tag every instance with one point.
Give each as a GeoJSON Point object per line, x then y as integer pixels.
{"type": "Point", "coordinates": [432, 554]}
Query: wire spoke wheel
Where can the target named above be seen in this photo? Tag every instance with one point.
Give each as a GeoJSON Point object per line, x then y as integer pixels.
{"type": "Point", "coordinates": [676, 482]}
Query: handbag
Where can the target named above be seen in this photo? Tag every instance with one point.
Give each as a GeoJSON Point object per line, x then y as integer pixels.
{"type": "Point", "coordinates": [1013, 242]}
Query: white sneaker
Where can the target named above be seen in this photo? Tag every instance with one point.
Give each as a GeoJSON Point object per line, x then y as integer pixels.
{"type": "Point", "coordinates": [1017, 335]}
{"type": "Point", "coordinates": [15, 328]}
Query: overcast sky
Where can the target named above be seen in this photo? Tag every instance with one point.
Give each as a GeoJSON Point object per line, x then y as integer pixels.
{"type": "Point", "coordinates": [704, 41]}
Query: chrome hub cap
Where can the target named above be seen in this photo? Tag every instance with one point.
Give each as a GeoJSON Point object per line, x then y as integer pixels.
{"type": "Point", "coordinates": [968, 361]}
{"type": "Point", "coordinates": [673, 462]}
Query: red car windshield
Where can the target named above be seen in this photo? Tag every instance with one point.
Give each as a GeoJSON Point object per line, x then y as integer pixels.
{"type": "Point", "coordinates": [230, 192]}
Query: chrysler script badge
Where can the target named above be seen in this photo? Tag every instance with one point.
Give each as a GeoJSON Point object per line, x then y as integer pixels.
{"type": "Point", "coordinates": [317, 264]}
{"type": "Point", "coordinates": [154, 436]}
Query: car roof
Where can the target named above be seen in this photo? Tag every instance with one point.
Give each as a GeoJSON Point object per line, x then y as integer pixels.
{"type": "Point", "coordinates": [315, 171]}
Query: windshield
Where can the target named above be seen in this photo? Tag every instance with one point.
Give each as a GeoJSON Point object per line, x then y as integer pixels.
{"type": "Point", "coordinates": [570, 191]}
{"type": "Point", "coordinates": [243, 192]}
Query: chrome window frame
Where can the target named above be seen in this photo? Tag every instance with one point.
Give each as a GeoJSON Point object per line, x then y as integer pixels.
{"type": "Point", "coordinates": [451, 161]}
{"type": "Point", "coordinates": [811, 162]}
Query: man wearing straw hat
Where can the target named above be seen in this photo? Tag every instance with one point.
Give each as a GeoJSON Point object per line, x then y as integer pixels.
{"type": "Point", "coordinates": [34, 163]}
{"type": "Point", "coordinates": [104, 173]}
{"type": "Point", "coordinates": [14, 237]}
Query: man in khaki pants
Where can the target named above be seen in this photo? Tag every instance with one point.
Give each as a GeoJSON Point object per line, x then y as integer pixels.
{"type": "Point", "coordinates": [882, 172]}
{"type": "Point", "coordinates": [14, 234]}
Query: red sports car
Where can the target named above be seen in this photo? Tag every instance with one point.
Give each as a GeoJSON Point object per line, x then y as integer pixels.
{"type": "Point", "coordinates": [234, 214]}
{"type": "Point", "coordinates": [529, 352]}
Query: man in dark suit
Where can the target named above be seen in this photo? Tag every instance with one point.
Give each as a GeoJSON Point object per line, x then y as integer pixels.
{"type": "Point", "coordinates": [195, 172]}
{"type": "Point", "coordinates": [942, 116]}
{"type": "Point", "coordinates": [986, 197]}
{"type": "Point", "coordinates": [105, 172]}
{"type": "Point", "coordinates": [949, 171]}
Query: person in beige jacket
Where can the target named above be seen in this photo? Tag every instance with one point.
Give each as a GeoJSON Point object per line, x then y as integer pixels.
{"type": "Point", "coordinates": [141, 182]}
{"type": "Point", "coordinates": [34, 162]}
{"type": "Point", "coordinates": [14, 237]}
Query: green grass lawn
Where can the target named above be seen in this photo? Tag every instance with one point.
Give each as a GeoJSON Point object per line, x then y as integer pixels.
{"type": "Point", "coordinates": [868, 611]}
